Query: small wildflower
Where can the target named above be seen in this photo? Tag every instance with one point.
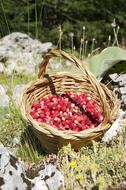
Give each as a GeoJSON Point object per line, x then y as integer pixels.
{"type": "Point", "coordinates": [80, 177]}
{"type": "Point", "coordinates": [73, 164]}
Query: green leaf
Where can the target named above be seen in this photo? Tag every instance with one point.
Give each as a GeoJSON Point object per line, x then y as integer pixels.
{"type": "Point", "coordinates": [101, 63]}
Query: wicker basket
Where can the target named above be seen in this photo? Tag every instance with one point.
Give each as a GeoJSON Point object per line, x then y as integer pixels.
{"type": "Point", "coordinates": [51, 138]}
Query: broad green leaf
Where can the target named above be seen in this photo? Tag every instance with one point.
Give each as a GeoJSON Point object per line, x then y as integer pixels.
{"type": "Point", "coordinates": [101, 63]}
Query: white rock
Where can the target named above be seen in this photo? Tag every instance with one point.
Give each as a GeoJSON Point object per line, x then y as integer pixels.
{"type": "Point", "coordinates": [19, 52]}
{"type": "Point", "coordinates": [53, 177]}
{"type": "Point", "coordinates": [56, 181]}
{"type": "Point", "coordinates": [16, 141]}
{"type": "Point", "coordinates": [123, 90]}
{"type": "Point", "coordinates": [55, 66]}
{"type": "Point", "coordinates": [17, 92]}
{"type": "Point", "coordinates": [2, 90]}
{"type": "Point", "coordinates": [114, 77]}
{"type": "Point", "coordinates": [4, 98]}
{"type": "Point", "coordinates": [39, 184]}
{"type": "Point", "coordinates": [115, 129]}
{"type": "Point", "coordinates": [10, 171]}
{"type": "Point", "coordinates": [68, 63]}
{"type": "Point", "coordinates": [12, 175]}
{"type": "Point", "coordinates": [1, 68]}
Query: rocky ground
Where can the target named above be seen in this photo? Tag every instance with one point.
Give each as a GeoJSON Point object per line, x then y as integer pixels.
{"type": "Point", "coordinates": [20, 53]}
{"type": "Point", "coordinates": [13, 176]}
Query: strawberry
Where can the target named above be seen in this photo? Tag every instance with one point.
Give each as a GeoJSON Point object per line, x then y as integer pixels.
{"type": "Point", "coordinates": [68, 111]}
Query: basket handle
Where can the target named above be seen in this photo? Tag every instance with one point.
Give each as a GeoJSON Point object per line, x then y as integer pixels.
{"type": "Point", "coordinates": [83, 67]}
{"type": "Point", "coordinates": [60, 53]}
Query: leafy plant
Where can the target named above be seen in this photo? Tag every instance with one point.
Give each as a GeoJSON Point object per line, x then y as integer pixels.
{"type": "Point", "coordinates": [99, 64]}
{"type": "Point", "coordinates": [93, 167]}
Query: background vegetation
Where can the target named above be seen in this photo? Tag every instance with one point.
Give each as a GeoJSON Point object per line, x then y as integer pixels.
{"type": "Point", "coordinates": [41, 19]}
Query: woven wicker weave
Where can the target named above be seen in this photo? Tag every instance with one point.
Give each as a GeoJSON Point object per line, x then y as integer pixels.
{"type": "Point", "coordinates": [51, 138]}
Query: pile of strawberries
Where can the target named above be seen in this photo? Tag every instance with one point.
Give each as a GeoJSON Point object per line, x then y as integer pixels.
{"type": "Point", "coordinates": [68, 111]}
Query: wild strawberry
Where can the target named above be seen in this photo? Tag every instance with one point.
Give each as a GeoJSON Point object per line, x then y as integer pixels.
{"type": "Point", "coordinates": [35, 115]}
{"type": "Point", "coordinates": [40, 120]}
{"type": "Point", "coordinates": [34, 104]}
{"type": "Point", "coordinates": [69, 111]}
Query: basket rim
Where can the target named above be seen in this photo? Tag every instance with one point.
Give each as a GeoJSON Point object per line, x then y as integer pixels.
{"type": "Point", "coordinates": [68, 134]}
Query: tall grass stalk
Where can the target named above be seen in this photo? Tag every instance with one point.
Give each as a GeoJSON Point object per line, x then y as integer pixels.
{"type": "Point", "coordinates": [36, 20]}
{"type": "Point", "coordinates": [40, 15]}
{"type": "Point", "coordinates": [5, 16]}
{"type": "Point", "coordinates": [92, 46]}
{"type": "Point", "coordinates": [59, 44]}
{"type": "Point", "coordinates": [1, 29]}
{"type": "Point", "coordinates": [60, 37]}
{"type": "Point", "coordinates": [83, 43]}
{"type": "Point", "coordinates": [74, 49]}
{"type": "Point", "coordinates": [27, 149]}
{"type": "Point", "coordinates": [116, 31]}
{"type": "Point", "coordinates": [86, 44]}
{"type": "Point", "coordinates": [28, 16]}
{"type": "Point", "coordinates": [109, 41]}
{"type": "Point", "coordinates": [72, 44]}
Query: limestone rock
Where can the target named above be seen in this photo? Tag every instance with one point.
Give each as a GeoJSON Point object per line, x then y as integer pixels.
{"type": "Point", "coordinates": [114, 77]}
{"type": "Point", "coordinates": [19, 52]}
{"type": "Point", "coordinates": [11, 170]}
{"type": "Point", "coordinates": [119, 84]}
{"type": "Point", "coordinates": [116, 127]}
{"type": "Point", "coordinates": [1, 68]}
{"type": "Point", "coordinates": [4, 98]}
{"type": "Point", "coordinates": [52, 177]}
{"type": "Point", "coordinates": [13, 177]}
{"type": "Point", "coordinates": [18, 89]}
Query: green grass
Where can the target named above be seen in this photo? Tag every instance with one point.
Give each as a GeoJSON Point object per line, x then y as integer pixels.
{"type": "Point", "coordinates": [97, 167]}
{"type": "Point", "coordinates": [14, 79]}
{"type": "Point", "coordinates": [11, 124]}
